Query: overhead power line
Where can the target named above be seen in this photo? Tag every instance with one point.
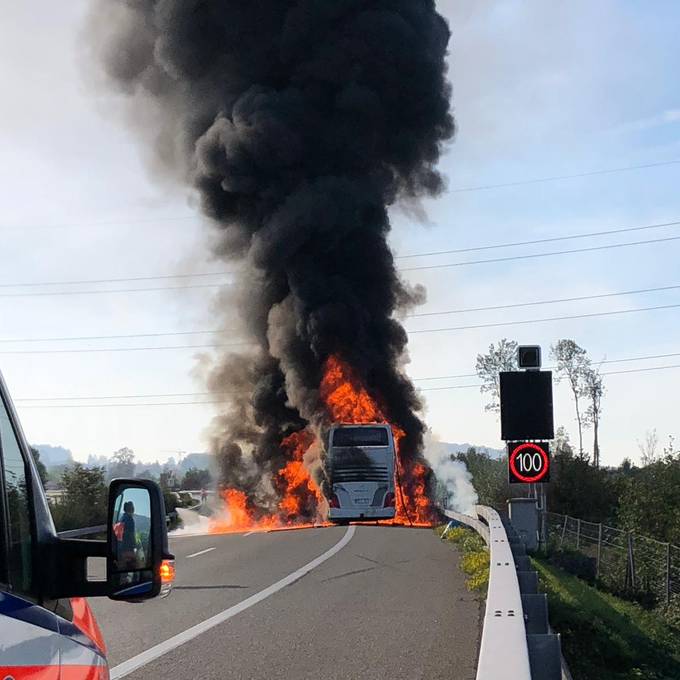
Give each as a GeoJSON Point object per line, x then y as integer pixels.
{"type": "Point", "coordinates": [174, 395]}
{"type": "Point", "coordinates": [111, 291]}
{"type": "Point", "coordinates": [203, 403]}
{"type": "Point", "coordinates": [111, 349]}
{"type": "Point", "coordinates": [551, 368]}
{"type": "Point", "coordinates": [102, 223]}
{"type": "Point", "coordinates": [158, 277]}
{"type": "Point", "coordinates": [551, 239]}
{"type": "Point", "coordinates": [534, 256]}
{"type": "Point", "coordinates": [410, 332]}
{"type": "Point", "coordinates": [555, 178]}
{"type": "Point", "coordinates": [579, 298]}
{"type": "Point", "coordinates": [553, 318]}
{"type": "Point", "coordinates": [130, 336]}
{"type": "Point", "coordinates": [454, 190]}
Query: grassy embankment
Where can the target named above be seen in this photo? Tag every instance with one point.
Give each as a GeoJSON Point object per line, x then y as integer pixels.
{"type": "Point", "coordinates": [605, 637]}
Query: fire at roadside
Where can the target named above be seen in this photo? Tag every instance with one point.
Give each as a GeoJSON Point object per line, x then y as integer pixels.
{"type": "Point", "coordinates": [302, 497]}
{"type": "Point", "coordinates": [297, 124]}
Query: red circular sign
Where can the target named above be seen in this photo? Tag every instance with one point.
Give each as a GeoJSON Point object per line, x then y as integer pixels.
{"type": "Point", "coordinates": [540, 473]}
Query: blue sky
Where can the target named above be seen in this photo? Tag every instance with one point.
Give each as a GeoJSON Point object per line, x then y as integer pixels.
{"type": "Point", "coordinates": [540, 89]}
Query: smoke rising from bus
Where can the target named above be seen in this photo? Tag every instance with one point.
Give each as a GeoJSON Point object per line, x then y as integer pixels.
{"type": "Point", "coordinates": [297, 123]}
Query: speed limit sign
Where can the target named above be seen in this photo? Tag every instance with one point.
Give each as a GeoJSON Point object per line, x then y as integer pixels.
{"type": "Point", "coordinates": [528, 462]}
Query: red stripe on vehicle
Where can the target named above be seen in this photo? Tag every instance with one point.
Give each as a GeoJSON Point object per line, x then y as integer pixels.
{"type": "Point", "coordinates": [84, 619]}
{"type": "Point", "coordinates": [30, 672]}
{"type": "Point", "coordinates": [84, 673]}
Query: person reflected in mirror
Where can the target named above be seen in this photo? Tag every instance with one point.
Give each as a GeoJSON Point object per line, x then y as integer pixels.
{"type": "Point", "coordinates": [128, 542]}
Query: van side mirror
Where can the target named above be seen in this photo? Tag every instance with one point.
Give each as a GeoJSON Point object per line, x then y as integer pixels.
{"type": "Point", "coordinates": [138, 563]}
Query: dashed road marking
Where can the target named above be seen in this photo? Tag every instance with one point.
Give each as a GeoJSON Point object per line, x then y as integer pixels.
{"type": "Point", "coordinates": [175, 641]}
{"type": "Point", "coordinates": [200, 552]}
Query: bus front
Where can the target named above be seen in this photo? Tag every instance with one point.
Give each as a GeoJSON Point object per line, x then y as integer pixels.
{"type": "Point", "coordinates": [361, 460]}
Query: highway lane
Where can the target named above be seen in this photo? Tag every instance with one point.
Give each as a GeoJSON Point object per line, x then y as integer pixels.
{"type": "Point", "coordinates": [390, 604]}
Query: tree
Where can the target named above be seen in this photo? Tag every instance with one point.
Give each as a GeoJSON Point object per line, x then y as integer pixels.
{"type": "Point", "coordinates": [573, 364]}
{"type": "Point", "coordinates": [594, 390]}
{"type": "Point", "coordinates": [84, 502]}
{"type": "Point", "coordinates": [648, 447]}
{"type": "Point", "coordinates": [561, 444]}
{"type": "Point", "coordinates": [196, 479]}
{"type": "Point", "coordinates": [122, 463]}
{"type": "Point", "coordinates": [147, 474]}
{"type": "Point", "coordinates": [42, 470]}
{"type": "Point", "coordinates": [489, 365]}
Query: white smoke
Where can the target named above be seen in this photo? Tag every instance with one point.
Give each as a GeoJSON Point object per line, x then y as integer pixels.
{"type": "Point", "coordinates": [453, 476]}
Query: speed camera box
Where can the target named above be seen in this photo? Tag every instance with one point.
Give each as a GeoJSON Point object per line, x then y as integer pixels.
{"type": "Point", "coordinates": [526, 405]}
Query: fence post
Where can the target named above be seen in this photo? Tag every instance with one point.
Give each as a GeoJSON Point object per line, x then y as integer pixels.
{"type": "Point", "coordinates": [578, 534]}
{"type": "Point", "coordinates": [668, 573]}
{"type": "Point", "coordinates": [599, 551]}
{"type": "Point", "coordinates": [631, 561]}
{"type": "Point", "coordinates": [564, 529]}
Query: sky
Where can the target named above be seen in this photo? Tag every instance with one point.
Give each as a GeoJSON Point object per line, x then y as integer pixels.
{"type": "Point", "coordinates": [539, 90]}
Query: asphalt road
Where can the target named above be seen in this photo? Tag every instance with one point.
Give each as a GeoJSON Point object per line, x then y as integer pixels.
{"type": "Point", "coordinates": [389, 604]}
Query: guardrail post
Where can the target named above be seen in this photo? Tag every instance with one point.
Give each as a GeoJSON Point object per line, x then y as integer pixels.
{"type": "Point", "coordinates": [668, 573]}
{"type": "Point", "coordinates": [599, 551]}
{"type": "Point", "coordinates": [578, 534]}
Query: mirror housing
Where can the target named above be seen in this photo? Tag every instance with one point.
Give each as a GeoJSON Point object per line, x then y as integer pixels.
{"type": "Point", "coordinates": [63, 565]}
{"type": "Point", "coordinates": [139, 565]}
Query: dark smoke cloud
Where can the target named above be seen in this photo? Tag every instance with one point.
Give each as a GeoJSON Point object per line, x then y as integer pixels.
{"type": "Point", "coordinates": [298, 122]}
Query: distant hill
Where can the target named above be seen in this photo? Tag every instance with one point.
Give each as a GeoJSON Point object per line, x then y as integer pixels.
{"type": "Point", "coordinates": [54, 455]}
{"type": "Point", "coordinates": [462, 448]}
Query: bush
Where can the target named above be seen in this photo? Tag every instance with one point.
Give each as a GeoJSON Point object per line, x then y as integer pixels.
{"type": "Point", "coordinates": [575, 563]}
{"type": "Point", "coordinates": [671, 612]}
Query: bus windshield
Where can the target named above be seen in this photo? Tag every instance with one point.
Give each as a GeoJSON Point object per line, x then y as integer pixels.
{"type": "Point", "coordinates": [360, 436]}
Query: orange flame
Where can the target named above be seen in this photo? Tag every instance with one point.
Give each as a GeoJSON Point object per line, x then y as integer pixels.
{"type": "Point", "coordinates": [346, 401]}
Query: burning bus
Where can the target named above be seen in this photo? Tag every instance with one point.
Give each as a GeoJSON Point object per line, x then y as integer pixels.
{"type": "Point", "coordinates": [361, 464]}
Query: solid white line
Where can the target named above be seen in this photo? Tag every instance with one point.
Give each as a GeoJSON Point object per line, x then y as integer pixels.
{"type": "Point", "coordinates": [200, 552]}
{"type": "Point", "coordinates": [175, 641]}
{"type": "Point", "coordinates": [250, 533]}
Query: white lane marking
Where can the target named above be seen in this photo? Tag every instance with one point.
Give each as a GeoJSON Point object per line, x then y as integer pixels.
{"type": "Point", "coordinates": [175, 641]}
{"type": "Point", "coordinates": [250, 533]}
{"type": "Point", "coordinates": [200, 552]}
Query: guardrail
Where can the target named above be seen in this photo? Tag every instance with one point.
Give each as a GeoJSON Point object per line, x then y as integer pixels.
{"type": "Point", "coordinates": [503, 653]}
{"type": "Point", "coordinates": [517, 641]}
{"type": "Point", "coordinates": [79, 533]}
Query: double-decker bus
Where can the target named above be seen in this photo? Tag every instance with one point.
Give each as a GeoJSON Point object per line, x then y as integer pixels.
{"type": "Point", "coordinates": [361, 467]}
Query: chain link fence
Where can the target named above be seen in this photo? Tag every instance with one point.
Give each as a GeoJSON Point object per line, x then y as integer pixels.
{"type": "Point", "coordinates": [621, 561]}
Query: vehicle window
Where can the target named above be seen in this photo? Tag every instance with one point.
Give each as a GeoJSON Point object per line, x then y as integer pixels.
{"type": "Point", "coordinates": [18, 507]}
{"type": "Point", "coordinates": [360, 436]}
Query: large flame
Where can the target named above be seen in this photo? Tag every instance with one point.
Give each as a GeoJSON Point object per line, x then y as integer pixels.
{"type": "Point", "coordinates": [346, 401]}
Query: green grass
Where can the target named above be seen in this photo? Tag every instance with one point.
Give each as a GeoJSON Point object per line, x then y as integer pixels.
{"type": "Point", "coordinates": [475, 562]}
{"type": "Point", "coordinates": [605, 637]}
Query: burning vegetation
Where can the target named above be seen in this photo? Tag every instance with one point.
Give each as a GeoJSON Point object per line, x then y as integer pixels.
{"type": "Point", "coordinates": [297, 123]}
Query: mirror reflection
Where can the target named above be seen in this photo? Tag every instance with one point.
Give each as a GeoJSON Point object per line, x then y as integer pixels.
{"type": "Point", "coordinates": [131, 536]}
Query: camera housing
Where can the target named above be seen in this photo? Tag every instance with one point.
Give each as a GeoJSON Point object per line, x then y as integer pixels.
{"type": "Point", "coordinates": [529, 356]}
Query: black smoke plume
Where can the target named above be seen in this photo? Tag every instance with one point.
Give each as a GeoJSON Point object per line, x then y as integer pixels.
{"type": "Point", "coordinates": [298, 122]}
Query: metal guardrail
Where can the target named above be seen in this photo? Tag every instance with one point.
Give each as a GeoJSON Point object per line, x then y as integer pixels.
{"type": "Point", "coordinates": [504, 652]}
{"type": "Point", "coordinates": [80, 533]}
